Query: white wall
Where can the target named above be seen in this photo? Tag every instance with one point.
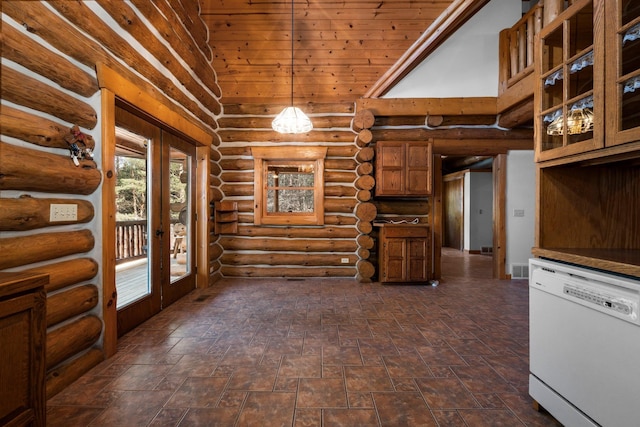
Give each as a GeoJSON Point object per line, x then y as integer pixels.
{"type": "Point", "coordinates": [478, 210]}
{"type": "Point", "coordinates": [466, 64]}
{"type": "Point", "coordinates": [521, 195]}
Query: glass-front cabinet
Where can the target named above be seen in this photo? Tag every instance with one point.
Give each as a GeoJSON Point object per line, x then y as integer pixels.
{"type": "Point", "coordinates": [623, 71]}
{"type": "Point", "coordinates": [570, 83]}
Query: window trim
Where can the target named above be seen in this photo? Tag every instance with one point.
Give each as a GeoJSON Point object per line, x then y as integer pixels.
{"type": "Point", "coordinates": [261, 158]}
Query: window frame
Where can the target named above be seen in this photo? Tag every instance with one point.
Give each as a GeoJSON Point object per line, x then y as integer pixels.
{"type": "Point", "coordinates": [294, 155]}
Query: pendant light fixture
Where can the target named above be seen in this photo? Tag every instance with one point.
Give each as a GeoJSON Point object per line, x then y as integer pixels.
{"type": "Point", "coordinates": [292, 119]}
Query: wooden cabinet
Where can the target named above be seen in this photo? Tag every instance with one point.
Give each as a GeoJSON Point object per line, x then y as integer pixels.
{"type": "Point", "coordinates": [403, 168]}
{"type": "Point", "coordinates": [226, 217]}
{"type": "Point", "coordinates": [22, 349]}
{"type": "Point", "coordinates": [404, 253]}
{"type": "Point", "coordinates": [622, 34]}
{"type": "Point", "coordinates": [570, 82]}
{"type": "Point", "coordinates": [588, 184]}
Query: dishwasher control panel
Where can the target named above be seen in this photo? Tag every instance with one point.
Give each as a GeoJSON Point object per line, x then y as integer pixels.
{"type": "Point", "coordinates": [613, 295]}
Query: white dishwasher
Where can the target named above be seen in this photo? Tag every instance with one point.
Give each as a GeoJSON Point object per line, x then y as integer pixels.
{"type": "Point", "coordinates": [584, 338]}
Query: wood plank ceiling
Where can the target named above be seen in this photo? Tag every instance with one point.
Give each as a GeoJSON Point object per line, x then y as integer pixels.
{"type": "Point", "coordinates": [341, 47]}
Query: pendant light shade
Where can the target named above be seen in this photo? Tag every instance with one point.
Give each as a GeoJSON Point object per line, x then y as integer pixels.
{"type": "Point", "coordinates": [292, 119]}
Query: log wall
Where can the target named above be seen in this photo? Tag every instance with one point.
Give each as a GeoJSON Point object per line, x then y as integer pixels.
{"type": "Point", "coordinates": [49, 54]}
{"type": "Point", "coordinates": [331, 250]}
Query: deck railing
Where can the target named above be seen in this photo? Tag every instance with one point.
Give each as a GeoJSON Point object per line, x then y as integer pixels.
{"type": "Point", "coordinates": [516, 48]}
{"type": "Point", "coordinates": [131, 240]}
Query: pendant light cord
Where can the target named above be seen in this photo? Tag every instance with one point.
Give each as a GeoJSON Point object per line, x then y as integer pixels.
{"type": "Point", "coordinates": [292, 30]}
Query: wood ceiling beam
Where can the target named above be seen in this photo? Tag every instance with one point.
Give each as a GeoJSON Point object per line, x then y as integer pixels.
{"type": "Point", "coordinates": [428, 106]}
{"type": "Point", "coordinates": [446, 24]}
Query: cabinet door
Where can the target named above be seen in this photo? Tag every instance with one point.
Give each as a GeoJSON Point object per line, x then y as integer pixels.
{"type": "Point", "coordinates": [418, 173]}
{"type": "Point", "coordinates": [623, 71]}
{"type": "Point", "coordinates": [418, 267]}
{"type": "Point", "coordinates": [390, 157]}
{"type": "Point", "coordinates": [569, 115]}
{"type": "Point", "coordinates": [395, 260]}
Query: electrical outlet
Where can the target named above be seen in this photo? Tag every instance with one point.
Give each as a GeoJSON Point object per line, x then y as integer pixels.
{"type": "Point", "coordinates": [345, 260]}
{"type": "Point", "coordinates": [518, 212]}
{"type": "Point", "coordinates": [63, 212]}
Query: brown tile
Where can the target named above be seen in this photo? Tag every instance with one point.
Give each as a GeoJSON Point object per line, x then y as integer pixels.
{"type": "Point", "coordinates": [441, 355]}
{"type": "Point", "coordinates": [308, 418]}
{"type": "Point", "coordinates": [209, 417]}
{"type": "Point", "coordinates": [197, 392]}
{"type": "Point", "coordinates": [367, 378]}
{"type": "Point", "coordinates": [133, 408]}
{"type": "Point", "coordinates": [321, 393]}
{"type": "Point", "coordinates": [406, 366]}
{"type": "Point", "coordinates": [277, 408]}
{"type": "Point", "coordinates": [445, 393]}
{"type": "Point", "coordinates": [253, 378]}
{"type": "Point", "coordinates": [339, 355]}
{"type": "Point", "coordinates": [360, 400]}
{"type": "Point", "coordinates": [168, 417]}
{"type": "Point", "coordinates": [490, 418]}
{"type": "Point", "coordinates": [403, 409]}
{"type": "Point", "coordinates": [349, 417]}
{"type": "Point", "coordinates": [482, 379]}
{"type": "Point", "coordinates": [65, 416]}
{"type": "Point", "coordinates": [301, 367]}
{"type": "Point", "coordinates": [449, 418]}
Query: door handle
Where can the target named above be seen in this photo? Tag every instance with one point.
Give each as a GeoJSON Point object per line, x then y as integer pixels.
{"type": "Point", "coordinates": [159, 233]}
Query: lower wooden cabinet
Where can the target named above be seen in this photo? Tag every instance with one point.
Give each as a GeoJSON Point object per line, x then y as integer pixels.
{"type": "Point", "coordinates": [22, 349]}
{"type": "Point", "coordinates": [404, 253]}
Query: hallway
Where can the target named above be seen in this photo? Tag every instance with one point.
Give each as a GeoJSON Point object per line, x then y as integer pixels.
{"type": "Point", "coordinates": [321, 352]}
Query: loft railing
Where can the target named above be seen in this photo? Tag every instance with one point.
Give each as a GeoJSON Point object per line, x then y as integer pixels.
{"type": "Point", "coordinates": [516, 48]}
{"type": "Point", "coordinates": [131, 240]}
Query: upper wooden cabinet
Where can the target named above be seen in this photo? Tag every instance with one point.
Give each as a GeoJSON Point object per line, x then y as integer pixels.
{"type": "Point", "coordinates": [587, 93]}
{"type": "Point", "coordinates": [622, 47]}
{"type": "Point", "coordinates": [403, 168]}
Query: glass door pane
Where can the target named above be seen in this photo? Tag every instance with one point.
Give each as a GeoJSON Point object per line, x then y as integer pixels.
{"type": "Point", "coordinates": [132, 215]}
{"type": "Point", "coordinates": [180, 218]}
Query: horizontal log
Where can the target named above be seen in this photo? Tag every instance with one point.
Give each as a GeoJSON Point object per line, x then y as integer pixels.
{"type": "Point", "coordinates": [23, 50]}
{"type": "Point", "coordinates": [30, 170]}
{"type": "Point", "coordinates": [366, 211]}
{"type": "Point", "coordinates": [364, 138]}
{"type": "Point", "coordinates": [23, 250]}
{"type": "Point", "coordinates": [70, 303]}
{"type": "Point", "coordinates": [214, 154]}
{"type": "Point", "coordinates": [232, 190]}
{"type": "Point", "coordinates": [258, 135]}
{"type": "Point", "coordinates": [29, 92]}
{"type": "Point", "coordinates": [402, 207]}
{"type": "Point", "coordinates": [215, 195]}
{"type": "Point", "coordinates": [264, 122]}
{"type": "Point", "coordinates": [215, 250]}
{"type": "Point", "coordinates": [298, 232]}
{"type": "Point", "coordinates": [36, 130]}
{"type": "Point", "coordinates": [334, 176]}
{"type": "Point", "coordinates": [364, 253]}
{"type": "Point", "coordinates": [236, 176]}
{"type": "Point", "coordinates": [365, 154]}
{"type": "Point", "coordinates": [363, 119]}
{"type": "Point", "coordinates": [214, 168]}
{"type": "Point", "coordinates": [63, 375]}
{"type": "Point", "coordinates": [363, 195]}
{"type": "Point", "coordinates": [428, 106]}
{"type": "Point", "coordinates": [339, 204]}
{"type": "Point", "coordinates": [291, 245]}
{"type": "Point", "coordinates": [365, 241]}
{"type": "Point", "coordinates": [28, 213]}
{"type": "Point", "coordinates": [479, 147]}
{"type": "Point", "coordinates": [518, 115]}
{"type": "Point", "coordinates": [332, 151]}
{"type": "Point", "coordinates": [339, 191]}
{"type": "Point", "coordinates": [236, 164]}
{"type": "Point", "coordinates": [339, 220]}
{"type": "Point", "coordinates": [365, 168]}
{"type": "Point", "coordinates": [66, 273]}
{"type": "Point", "coordinates": [364, 227]}
{"type": "Point", "coordinates": [366, 270]}
{"type": "Point", "coordinates": [273, 109]}
{"type": "Point", "coordinates": [244, 271]}
{"type": "Point", "coordinates": [456, 134]}
{"type": "Point", "coordinates": [365, 182]}
{"type": "Point", "coordinates": [280, 259]}
{"type": "Point", "coordinates": [340, 164]}
{"type": "Point", "coordinates": [71, 339]}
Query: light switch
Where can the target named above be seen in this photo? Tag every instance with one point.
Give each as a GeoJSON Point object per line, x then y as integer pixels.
{"type": "Point", "coordinates": [518, 212]}
{"type": "Point", "coordinates": [59, 212]}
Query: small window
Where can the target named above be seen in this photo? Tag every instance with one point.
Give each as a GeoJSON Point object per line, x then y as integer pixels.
{"type": "Point", "coordinates": [289, 185]}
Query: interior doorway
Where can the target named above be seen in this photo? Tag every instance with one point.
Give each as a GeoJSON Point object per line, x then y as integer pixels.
{"type": "Point", "coordinates": [155, 218]}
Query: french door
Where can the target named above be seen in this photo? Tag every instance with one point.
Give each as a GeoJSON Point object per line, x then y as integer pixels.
{"type": "Point", "coordinates": [155, 220]}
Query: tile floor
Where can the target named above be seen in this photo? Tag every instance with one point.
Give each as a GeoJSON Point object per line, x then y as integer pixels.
{"type": "Point", "coordinates": [321, 352]}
